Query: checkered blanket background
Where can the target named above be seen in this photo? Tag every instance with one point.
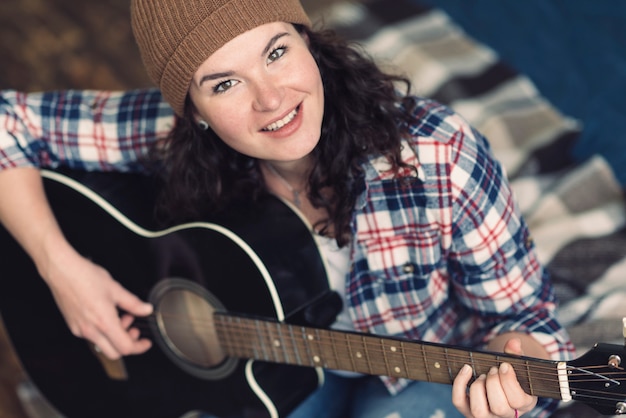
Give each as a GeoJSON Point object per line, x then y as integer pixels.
{"type": "Point", "coordinates": [575, 211]}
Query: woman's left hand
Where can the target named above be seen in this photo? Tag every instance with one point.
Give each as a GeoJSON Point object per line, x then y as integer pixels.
{"type": "Point", "coordinates": [496, 394]}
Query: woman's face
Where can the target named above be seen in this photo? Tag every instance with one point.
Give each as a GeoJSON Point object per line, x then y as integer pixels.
{"type": "Point", "coordinates": [262, 94]}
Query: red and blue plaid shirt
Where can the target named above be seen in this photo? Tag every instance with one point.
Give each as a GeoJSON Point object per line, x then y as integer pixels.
{"type": "Point", "coordinates": [443, 254]}
{"type": "Point", "coordinates": [440, 254]}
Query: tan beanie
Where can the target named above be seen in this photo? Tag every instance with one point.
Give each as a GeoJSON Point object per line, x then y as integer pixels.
{"type": "Point", "coordinates": [176, 36]}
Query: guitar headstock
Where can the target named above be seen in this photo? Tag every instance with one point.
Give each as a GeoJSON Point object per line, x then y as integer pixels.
{"type": "Point", "coordinates": [598, 378]}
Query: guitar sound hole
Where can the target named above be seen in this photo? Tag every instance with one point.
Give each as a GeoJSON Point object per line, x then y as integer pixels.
{"type": "Point", "coordinates": [185, 330]}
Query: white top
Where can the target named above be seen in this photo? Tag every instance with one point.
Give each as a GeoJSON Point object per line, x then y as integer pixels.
{"type": "Point", "coordinates": [337, 267]}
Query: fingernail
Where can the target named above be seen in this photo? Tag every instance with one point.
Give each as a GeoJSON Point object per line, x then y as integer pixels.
{"type": "Point", "coordinates": [466, 369]}
{"type": "Point", "coordinates": [504, 367]}
{"type": "Point", "coordinates": [493, 370]}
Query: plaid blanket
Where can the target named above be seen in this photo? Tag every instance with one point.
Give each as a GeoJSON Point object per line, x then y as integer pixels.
{"type": "Point", "coordinates": [575, 211]}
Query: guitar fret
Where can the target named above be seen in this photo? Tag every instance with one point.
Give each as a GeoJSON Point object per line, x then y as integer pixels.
{"type": "Point", "coordinates": [530, 382]}
{"type": "Point", "coordinates": [426, 368]}
{"type": "Point", "coordinates": [412, 360]}
{"type": "Point", "coordinates": [239, 347]}
{"type": "Point", "coordinates": [471, 357]}
{"type": "Point", "coordinates": [441, 368]}
{"type": "Point", "coordinates": [296, 347]}
{"type": "Point", "coordinates": [306, 337]}
{"type": "Point", "coordinates": [437, 372]}
{"type": "Point", "coordinates": [374, 367]}
{"type": "Point", "coordinates": [357, 353]}
{"type": "Point", "coordinates": [404, 360]}
{"type": "Point", "coordinates": [445, 355]}
{"type": "Point", "coordinates": [351, 354]}
{"type": "Point", "coordinates": [234, 347]}
{"type": "Point", "coordinates": [484, 362]}
{"type": "Point", "coordinates": [334, 348]}
{"type": "Point", "coordinates": [267, 341]}
{"type": "Point", "coordinates": [278, 345]}
{"type": "Point", "coordinates": [391, 352]}
{"type": "Point", "coordinates": [456, 360]}
{"type": "Point", "coordinates": [327, 350]}
{"type": "Point", "coordinates": [222, 335]}
{"type": "Point", "coordinates": [262, 343]}
{"type": "Point", "coordinates": [318, 358]}
{"type": "Point", "coordinates": [367, 355]}
{"type": "Point", "coordinates": [498, 360]}
{"type": "Point", "coordinates": [385, 360]}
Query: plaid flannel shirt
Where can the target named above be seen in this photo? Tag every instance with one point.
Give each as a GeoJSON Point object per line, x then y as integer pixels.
{"type": "Point", "coordinates": [443, 254]}
{"type": "Point", "coordinates": [440, 254]}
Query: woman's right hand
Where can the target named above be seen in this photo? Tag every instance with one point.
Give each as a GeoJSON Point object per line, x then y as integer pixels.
{"type": "Point", "coordinates": [88, 297]}
{"type": "Point", "coordinates": [91, 301]}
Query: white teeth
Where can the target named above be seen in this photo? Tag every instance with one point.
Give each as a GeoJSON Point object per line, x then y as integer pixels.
{"type": "Point", "coordinates": [279, 124]}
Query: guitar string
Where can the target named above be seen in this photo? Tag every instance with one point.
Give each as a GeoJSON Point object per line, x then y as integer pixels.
{"type": "Point", "coordinates": [537, 380]}
{"type": "Point", "coordinates": [245, 332]}
{"type": "Point", "coordinates": [433, 357]}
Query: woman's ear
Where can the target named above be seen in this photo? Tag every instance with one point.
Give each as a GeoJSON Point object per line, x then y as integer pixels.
{"type": "Point", "coordinates": [202, 124]}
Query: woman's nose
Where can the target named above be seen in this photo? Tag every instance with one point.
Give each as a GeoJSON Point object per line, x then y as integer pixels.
{"type": "Point", "coordinates": [268, 95]}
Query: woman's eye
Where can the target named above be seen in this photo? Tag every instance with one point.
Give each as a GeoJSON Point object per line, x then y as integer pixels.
{"type": "Point", "coordinates": [277, 53]}
{"type": "Point", "coordinates": [223, 86]}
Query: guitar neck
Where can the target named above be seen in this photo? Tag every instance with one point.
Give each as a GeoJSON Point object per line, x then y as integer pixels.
{"type": "Point", "coordinates": [368, 354]}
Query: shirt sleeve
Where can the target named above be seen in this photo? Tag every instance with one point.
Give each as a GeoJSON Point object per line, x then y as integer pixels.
{"type": "Point", "coordinates": [86, 129]}
{"type": "Point", "coordinates": [493, 263]}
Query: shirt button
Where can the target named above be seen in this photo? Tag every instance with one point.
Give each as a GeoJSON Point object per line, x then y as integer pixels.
{"type": "Point", "coordinates": [529, 242]}
{"type": "Point", "coordinates": [408, 268]}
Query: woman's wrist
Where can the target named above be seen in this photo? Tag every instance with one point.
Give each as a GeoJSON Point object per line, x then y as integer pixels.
{"type": "Point", "coordinates": [53, 253]}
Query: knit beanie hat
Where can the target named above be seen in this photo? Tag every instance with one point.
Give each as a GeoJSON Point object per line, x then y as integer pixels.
{"type": "Point", "coordinates": [176, 36]}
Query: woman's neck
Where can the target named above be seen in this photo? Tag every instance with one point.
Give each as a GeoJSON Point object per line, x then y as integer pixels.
{"type": "Point", "coordinates": [295, 173]}
{"type": "Point", "coordinates": [290, 182]}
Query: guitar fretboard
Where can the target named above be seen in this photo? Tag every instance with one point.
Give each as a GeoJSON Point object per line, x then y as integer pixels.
{"type": "Point", "coordinates": [368, 354]}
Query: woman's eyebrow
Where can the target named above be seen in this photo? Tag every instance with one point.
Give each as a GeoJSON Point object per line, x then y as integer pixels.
{"type": "Point", "coordinates": [272, 41]}
{"type": "Point", "coordinates": [214, 76]}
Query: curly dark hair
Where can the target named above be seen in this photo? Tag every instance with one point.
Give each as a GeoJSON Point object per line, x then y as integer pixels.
{"type": "Point", "coordinates": [364, 115]}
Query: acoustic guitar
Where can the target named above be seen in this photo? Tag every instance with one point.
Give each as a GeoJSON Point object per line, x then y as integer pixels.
{"type": "Point", "coordinates": [242, 308]}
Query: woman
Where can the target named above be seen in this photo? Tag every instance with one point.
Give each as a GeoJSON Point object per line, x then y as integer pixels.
{"type": "Point", "coordinates": [404, 196]}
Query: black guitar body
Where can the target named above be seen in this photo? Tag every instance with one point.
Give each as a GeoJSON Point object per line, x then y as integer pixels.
{"type": "Point", "coordinates": [221, 255]}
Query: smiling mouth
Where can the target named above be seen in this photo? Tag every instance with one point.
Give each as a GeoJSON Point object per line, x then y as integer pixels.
{"type": "Point", "coordinates": [284, 121]}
